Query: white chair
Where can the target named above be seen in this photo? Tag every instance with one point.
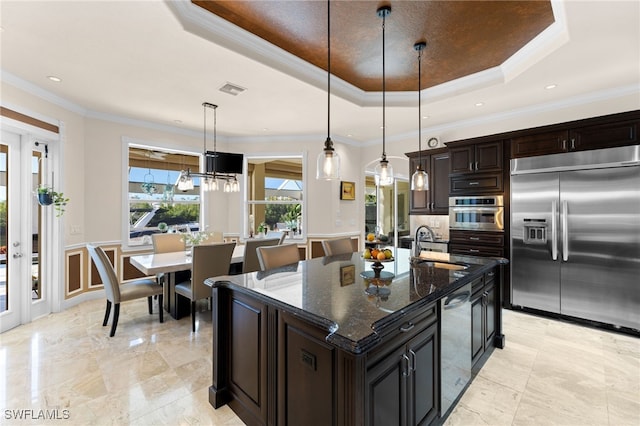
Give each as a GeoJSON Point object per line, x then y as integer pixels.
{"type": "Point", "coordinates": [209, 260]}
{"type": "Point", "coordinates": [250, 262]}
{"type": "Point", "coordinates": [338, 246]}
{"type": "Point", "coordinates": [271, 257]}
{"type": "Point", "coordinates": [118, 292]}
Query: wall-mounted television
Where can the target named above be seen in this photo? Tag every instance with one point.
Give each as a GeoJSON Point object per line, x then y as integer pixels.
{"type": "Point", "coordinates": [224, 162]}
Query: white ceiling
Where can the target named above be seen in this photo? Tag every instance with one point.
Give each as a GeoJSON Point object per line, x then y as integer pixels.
{"type": "Point", "coordinates": [155, 62]}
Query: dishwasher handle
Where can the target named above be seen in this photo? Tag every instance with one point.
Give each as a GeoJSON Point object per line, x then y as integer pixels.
{"type": "Point", "coordinates": [457, 300]}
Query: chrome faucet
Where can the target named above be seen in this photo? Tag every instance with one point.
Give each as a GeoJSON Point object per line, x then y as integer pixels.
{"type": "Point", "coordinates": [417, 248]}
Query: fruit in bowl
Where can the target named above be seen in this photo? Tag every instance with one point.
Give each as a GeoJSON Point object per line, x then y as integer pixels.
{"type": "Point", "coordinates": [388, 254]}
{"type": "Point", "coordinates": [383, 238]}
{"type": "Point", "coordinates": [367, 254]}
{"type": "Point", "coordinates": [381, 256]}
{"type": "Point", "coordinates": [371, 237]}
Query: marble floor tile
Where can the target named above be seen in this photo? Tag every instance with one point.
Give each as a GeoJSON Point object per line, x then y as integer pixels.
{"type": "Point", "coordinates": [549, 373]}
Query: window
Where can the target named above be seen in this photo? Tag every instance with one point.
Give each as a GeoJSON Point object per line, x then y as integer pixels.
{"type": "Point", "coordinates": [274, 195]}
{"type": "Point", "coordinates": [154, 203]}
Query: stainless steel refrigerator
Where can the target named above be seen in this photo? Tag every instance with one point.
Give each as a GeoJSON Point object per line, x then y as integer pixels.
{"type": "Point", "coordinates": [575, 234]}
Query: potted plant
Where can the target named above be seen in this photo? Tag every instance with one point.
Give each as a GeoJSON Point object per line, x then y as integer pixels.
{"type": "Point", "coordinates": [47, 196]}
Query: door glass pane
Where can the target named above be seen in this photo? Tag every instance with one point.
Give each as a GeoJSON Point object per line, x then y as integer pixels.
{"type": "Point", "coordinates": [3, 228]}
{"type": "Point", "coordinates": [36, 228]}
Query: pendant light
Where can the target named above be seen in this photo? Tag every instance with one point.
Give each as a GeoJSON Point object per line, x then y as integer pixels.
{"type": "Point", "coordinates": [328, 164]}
{"type": "Point", "coordinates": [420, 179]}
{"type": "Point", "coordinates": [384, 170]}
{"type": "Point", "coordinates": [210, 183]}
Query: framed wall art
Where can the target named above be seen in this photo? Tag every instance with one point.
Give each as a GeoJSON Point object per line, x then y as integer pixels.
{"type": "Point", "coordinates": [347, 190]}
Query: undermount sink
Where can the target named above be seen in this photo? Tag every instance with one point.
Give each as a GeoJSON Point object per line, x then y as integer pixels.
{"type": "Point", "coordinates": [423, 263]}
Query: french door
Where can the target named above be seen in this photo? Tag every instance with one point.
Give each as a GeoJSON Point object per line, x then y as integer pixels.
{"type": "Point", "coordinates": [25, 293]}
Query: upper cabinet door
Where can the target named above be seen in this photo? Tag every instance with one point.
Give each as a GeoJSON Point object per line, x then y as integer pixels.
{"type": "Point", "coordinates": [539, 144]}
{"type": "Point", "coordinates": [488, 157]}
{"type": "Point", "coordinates": [481, 157]}
{"type": "Point", "coordinates": [462, 159]}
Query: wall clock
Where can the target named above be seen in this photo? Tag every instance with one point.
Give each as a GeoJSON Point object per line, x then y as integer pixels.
{"type": "Point", "coordinates": [432, 143]}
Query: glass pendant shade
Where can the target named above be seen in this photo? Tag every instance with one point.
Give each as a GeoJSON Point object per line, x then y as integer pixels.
{"type": "Point", "coordinates": [227, 187]}
{"type": "Point", "coordinates": [185, 183]}
{"type": "Point", "coordinates": [419, 180]}
{"type": "Point", "coordinates": [235, 186]}
{"type": "Point", "coordinates": [328, 164]}
{"type": "Point", "coordinates": [384, 173]}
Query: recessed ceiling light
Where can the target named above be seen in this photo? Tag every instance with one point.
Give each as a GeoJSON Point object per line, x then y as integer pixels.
{"type": "Point", "coordinates": [551, 86]}
{"type": "Point", "coordinates": [479, 104]}
{"type": "Point", "coordinates": [349, 135]}
{"type": "Point", "coordinates": [264, 129]}
{"type": "Point", "coordinates": [54, 78]}
{"type": "Point", "coordinates": [425, 117]}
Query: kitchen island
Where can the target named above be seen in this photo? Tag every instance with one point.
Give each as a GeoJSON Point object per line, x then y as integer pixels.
{"type": "Point", "coordinates": [327, 342]}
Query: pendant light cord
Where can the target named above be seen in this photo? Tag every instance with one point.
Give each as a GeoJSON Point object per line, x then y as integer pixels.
{"type": "Point", "coordinates": [328, 69]}
{"type": "Point", "coordinates": [419, 107]}
{"type": "Point", "coordinates": [384, 122]}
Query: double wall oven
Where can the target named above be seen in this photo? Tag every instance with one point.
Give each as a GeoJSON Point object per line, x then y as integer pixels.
{"type": "Point", "coordinates": [477, 213]}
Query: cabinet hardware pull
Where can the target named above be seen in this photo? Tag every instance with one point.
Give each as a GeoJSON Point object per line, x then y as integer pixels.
{"type": "Point", "coordinates": [474, 183]}
{"type": "Point", "coordinates": [474, 238]}
{"type": "Point", "coordinates": [573, 143]}
{"type": "Point", "coordinates": [407, 368]}
{"type": "Point", "coordinates": [476, 165]}
{"type": "Point", "coordinates": [564, 144]}
{"type": "Point", "coordinates": [413, 360]}
{"type": "Point", "coordinates": [407, 327]}
{"type": "Point", "coordinates": [554, 231]}
{"type": "Point", "coordinates": [473, 251]}
{"type": "Point", "coordinates": [471, 166]}
{"type": "Point", "coordinates": [491, 274]}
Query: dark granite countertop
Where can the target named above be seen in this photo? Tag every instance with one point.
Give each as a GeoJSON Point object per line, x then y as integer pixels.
{"type": "Point", "coordinates": [330, 292]}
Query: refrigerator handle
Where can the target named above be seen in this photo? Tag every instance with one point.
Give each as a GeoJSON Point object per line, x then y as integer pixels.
{"type": "Point", "coordinates": [565, 233]}
{"type": "Point", "coordinates": [554, 230]}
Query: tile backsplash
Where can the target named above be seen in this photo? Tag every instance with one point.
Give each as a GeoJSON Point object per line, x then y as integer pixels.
{"type": "Point", "coordinates": [439, 224]}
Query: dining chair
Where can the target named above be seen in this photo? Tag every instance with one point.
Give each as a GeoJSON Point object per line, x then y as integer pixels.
{"type": "Point", "coordinates": [166, 243]}
{"type": "Point", "coordinates": [250, 262]}
{"type": "Point", "coordinates": [275, 256]}
{"type": "Point", "coordinates": [208, 260]}
{"type": "Point", "coordinates": [337, 246]}
{"type": "Point", "coordinates": [118, 292]}
{"type": "Point", "coordinates": [281, 235]}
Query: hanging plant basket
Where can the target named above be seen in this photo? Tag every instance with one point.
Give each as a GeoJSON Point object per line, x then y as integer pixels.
{"type": "Point", "coordinates": [45, 199]}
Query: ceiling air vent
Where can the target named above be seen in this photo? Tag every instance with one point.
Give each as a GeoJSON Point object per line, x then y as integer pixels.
{"type": "Point", "coordinates": [232, 89]}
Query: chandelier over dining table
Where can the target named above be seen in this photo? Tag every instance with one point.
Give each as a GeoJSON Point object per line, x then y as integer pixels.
{"type": "Point", "coordinates": [212, 177]}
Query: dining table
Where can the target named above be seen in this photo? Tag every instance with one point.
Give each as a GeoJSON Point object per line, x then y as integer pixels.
{"type": "Point", "coordinates": [169, 263]}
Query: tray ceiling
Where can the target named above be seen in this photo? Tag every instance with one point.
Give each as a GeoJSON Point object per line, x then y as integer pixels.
{"type": "Point", "coordinates": [463, 37]}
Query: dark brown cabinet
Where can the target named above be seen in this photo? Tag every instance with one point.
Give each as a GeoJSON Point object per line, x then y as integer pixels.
{"type": "Point", "coordinates": [578, 138]}
{"type": "Point", "coordinates": [476, 243]}
{"type": "Point", "coordinates": [476, 158]}
{"type": "Point", "coordinates": [483, 322]}
{"type": "Point", "coordinates": [402, 388]}
{"type": "Point", "coordinates": [476, 168]}
{"type": "Point", "coordinates": [436, 199]}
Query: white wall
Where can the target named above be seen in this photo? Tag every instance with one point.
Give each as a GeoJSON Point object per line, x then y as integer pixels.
{"type": "Point", "coordinates": [92, 163]}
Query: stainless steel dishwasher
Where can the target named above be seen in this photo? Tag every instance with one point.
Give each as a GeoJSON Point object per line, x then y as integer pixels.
{"type": "Point", "coordinates": [455, 341]}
